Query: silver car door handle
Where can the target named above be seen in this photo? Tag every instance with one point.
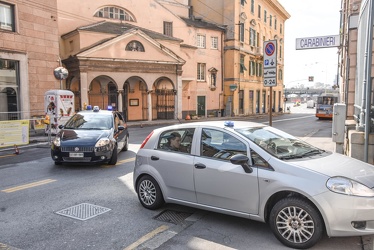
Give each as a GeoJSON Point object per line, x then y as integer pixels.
{"type": "Point", "coordinates": [154, 158]}
{"type": "Point", "coordinates": [200, 166]}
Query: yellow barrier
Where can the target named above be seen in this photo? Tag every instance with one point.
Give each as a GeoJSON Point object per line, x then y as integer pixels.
{"type": "Point", "coordinates": [15, 132]}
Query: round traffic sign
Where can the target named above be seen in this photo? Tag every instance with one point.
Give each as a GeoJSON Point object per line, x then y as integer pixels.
{"type": "Point", "coordinates": [269, 49]}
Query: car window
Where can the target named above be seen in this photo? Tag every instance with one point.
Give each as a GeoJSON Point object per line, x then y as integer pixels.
{"type": "Point", "coordinates": [258, 161]}
{"type": "Point", "coordinates": [219, 144]}
{"type": "Point", "coordinates": [179, 140]}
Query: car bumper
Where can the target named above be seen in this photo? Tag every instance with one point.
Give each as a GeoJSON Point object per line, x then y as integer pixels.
{"type": "Point", "coordinates": [346, 215]}
{"type": "Point", "coordinates": [93, 157]}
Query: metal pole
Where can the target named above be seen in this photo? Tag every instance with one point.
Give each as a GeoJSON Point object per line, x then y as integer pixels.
{"type": "Point", "coordinates": [368, 80]}
{"type": "Point", "coordinates": [271, 107]}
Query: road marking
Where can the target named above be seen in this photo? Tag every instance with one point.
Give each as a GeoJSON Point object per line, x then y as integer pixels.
{"type": "Point", "coordinates": [290, 119]}
{"type": "Point", "coordinates": [3, 156]}
{"type": "Point", "coordinates": [126, 160]}
{"type": "Point", "coordinates": [30, 185]}
{"type": "Point", "coordinates": [146, 237]}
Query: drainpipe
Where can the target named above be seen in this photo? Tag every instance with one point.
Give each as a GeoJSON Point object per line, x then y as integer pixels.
{"type": "Point", "coordinates": [368, 79]}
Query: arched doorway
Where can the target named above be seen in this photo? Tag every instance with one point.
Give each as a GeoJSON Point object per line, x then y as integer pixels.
{"type": "Point", "coordinates": [103, 92]}
{"type": "Point", "coordinates": [163, 99]}
{"type": "Point", "coordinates": [135, 102]}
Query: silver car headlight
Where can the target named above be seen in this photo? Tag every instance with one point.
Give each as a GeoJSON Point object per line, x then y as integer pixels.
{"type": "Point", "coordinates": [102, 145]}
{"type": "Point", "coordinates": [347, 186]}
{"type": "Point", "coordinates": [57, 141]}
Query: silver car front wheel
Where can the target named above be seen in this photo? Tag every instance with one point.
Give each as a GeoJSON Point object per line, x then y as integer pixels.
{"type": "Point", "coordinates": [149, 193]}
{"type": "Point", "coordinates": [296, 223]}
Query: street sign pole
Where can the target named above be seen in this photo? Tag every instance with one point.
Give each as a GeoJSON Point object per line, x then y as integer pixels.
{"type": "Point", "coordinates": [270, 72]}
{"type": "Point", "coordinates": [271, 106]}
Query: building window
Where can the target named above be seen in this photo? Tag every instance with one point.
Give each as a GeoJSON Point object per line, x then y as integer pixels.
{"type": "Point", "coordinates": [270, 20]}
{"type": "Point", "coordinates": [280, 74]}
{"type": "Point", "coordinates": [201, 41]}
{"type": "Point", "coordinates": [241, 32]}
{"type": "Point", "coordinates": [134, 46]}
{"type": "Point", "coordinates": [265, 16]}
{"type": "Point", "coordinates": [280, 28]}
{"type": "Point", "coordinates": [259, 11]}
{"type": "Point", "coordinates": [252, 37]}
{"type": "Point", "coordinates": [9, 94]}
{"type": "Point", "coordinates": [252, 6]}
{"type": "Point", "coordinates": [259, 69]}
{"type": "Point", "coordinates": [252, 69]}
{"type": "Point", "coordinates": [114, 13]}
{"type": "Point", "coordinates": [168, 29]}
{"type": "Point", "coordinates": [7, 17]}
{"type": "Point", "coordinates": [280, 51]}
{"type": "Point", "coordinates": [275, 24]}
{"type": "Point", "coordinates": [201, 71]}
{"type": "Point", "coordinates": [242, 2]}
{"type": "Point", "coordinates": [242, 66]}
{"type": "Point", "coordinates": [214, 42]}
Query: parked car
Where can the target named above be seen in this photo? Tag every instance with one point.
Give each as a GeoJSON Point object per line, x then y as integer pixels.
{"type": "Point", "coordinates": [258, 172]}
{"type": "Point", "coordinates": [95, 136]}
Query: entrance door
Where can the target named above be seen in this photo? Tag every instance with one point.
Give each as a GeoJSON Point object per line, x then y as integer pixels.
{"type": "Point", "coordinates": [201, 105]}
{"type": "Point", "coordinates": [165, 103]}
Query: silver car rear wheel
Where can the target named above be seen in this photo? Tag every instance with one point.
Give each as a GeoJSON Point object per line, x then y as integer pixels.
{"type": "Point", "coordinates": [296, 223]}
{"type": "Point", "coordinates": [149, 193]}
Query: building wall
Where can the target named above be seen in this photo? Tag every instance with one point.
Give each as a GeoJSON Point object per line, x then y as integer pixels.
{"type": "Point", "coordinates": [231, 14]}
{"type": "Point", "coordinates": [35, 45]}
{"type": "Point", "coordinates": [170, 11]}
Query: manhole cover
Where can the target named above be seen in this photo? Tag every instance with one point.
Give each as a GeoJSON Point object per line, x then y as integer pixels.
{"type": "Point", "coordinates": [172, 216]}
{"type": "Point", "coordinates": [83, 211]}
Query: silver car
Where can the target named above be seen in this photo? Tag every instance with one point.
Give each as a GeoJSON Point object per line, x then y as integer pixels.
{"type": "Point", "coordinates": [257, 172]}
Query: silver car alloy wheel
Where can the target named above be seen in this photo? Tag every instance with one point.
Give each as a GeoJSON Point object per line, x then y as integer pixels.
{"type": "Point", "coordinates": [147, 192]}
{"type": "Point", "coordinates": [295, 224]}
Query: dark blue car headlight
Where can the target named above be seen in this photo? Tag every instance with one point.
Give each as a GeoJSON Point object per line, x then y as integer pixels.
{"type": "Point", "coordinates": [102, 145]}
{"type": "Point", "coordinates": [57, 141]}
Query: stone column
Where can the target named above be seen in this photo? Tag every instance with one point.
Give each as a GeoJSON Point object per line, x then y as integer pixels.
{"type": "Point", "coordinates": [120, 94]}
{"type": "Point", "coordinates": [179, 89]}
{"type": "Point", "coordinates": [149, 104]}
{"type": "Point", "coordinates": [84, 89]}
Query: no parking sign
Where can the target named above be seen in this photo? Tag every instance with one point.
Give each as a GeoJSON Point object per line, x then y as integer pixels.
{"type": "Point", "coordinates": [270, 63]}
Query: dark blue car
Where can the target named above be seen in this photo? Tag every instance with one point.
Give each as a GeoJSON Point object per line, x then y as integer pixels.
{"type": "Point", "coordinates": [91, 136]}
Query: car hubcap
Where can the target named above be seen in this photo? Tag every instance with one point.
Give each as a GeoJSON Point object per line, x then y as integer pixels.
{"type": "Point", "coordinates": [295, 224]}
{"type": "Point", "coordinates": [147, 192]}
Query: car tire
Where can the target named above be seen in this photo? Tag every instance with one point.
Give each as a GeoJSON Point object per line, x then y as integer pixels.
{"type": "Point", "coordinates": [126, 146]}
{"type": "Point", "coordinates": [113, 160]}
{"type": "Point", "coordinates": [296, 223]}
{"type": "Point", "coordinates": [149, 193]}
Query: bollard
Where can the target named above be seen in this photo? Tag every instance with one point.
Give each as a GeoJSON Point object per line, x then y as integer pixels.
{"type": "Point", "coordinates": [16, 150]}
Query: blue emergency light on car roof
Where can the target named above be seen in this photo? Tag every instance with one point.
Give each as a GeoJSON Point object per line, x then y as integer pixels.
{"type": "Point", "coordinates": [229, 123]}
{"type": "Point", "coordinates": [96, 108]}
{"type": "Point", "coordinates": [110, 107]}
{"type": "Point", "coordinates": [89, 107]}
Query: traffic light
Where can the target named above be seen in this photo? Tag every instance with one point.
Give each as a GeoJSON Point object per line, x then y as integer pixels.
{"type": "Point", "coordinates": [311, 78]}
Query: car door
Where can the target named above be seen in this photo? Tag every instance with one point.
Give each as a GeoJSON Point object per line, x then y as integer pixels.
{"type": "Point", "coordinates": [218, 182]}
{"type": "Point", "coordinates": [120, 135]}
{"type": "Point", "coordinates": [175, 167]}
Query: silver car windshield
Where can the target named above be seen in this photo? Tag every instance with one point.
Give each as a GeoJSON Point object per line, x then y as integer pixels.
{"type": "Point", "coordinates": [280, 144]}
{"type": "Point", "coordinates": [90, 121]}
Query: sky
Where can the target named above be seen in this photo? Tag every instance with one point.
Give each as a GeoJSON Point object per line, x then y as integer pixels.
{"type": "Point", "coordinates": [310, 18]}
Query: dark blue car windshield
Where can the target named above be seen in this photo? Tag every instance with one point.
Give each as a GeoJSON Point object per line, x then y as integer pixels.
{"type": "Point", "coordinates": [89, 121]}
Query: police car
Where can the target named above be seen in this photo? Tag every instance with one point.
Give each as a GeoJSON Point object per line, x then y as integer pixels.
{"type": "Point", "coordinates": [91, 136]}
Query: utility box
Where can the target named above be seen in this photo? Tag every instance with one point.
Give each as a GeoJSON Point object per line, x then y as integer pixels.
{"type": "Point", "coordinates": [59, 107]}
{"type": "Point", "coordinates": [338, 122]}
